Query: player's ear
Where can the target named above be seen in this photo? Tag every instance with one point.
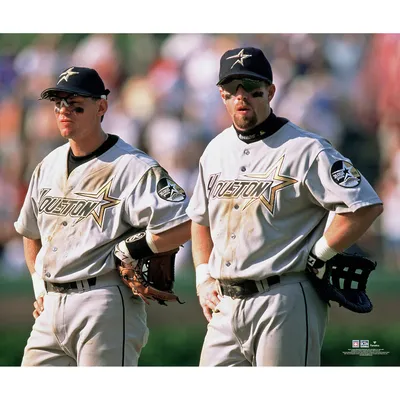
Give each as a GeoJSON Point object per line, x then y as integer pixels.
{"type": "Point", "coordinates": [223, 94]}
{"type": "Point", "coordinates": [271, 92]}
{"type": "Point", "coordinates": [102, 107]}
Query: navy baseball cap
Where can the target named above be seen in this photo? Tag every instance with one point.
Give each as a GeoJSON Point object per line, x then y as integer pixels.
{"type": "Point", "coordinates": [81, 81]}
{"type": "Point", "coordinates": [248, 62]}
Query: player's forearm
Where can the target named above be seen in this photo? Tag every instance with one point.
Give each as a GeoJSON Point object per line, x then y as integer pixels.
{"type": "Point", "coordinates": [202, 244]}
{"type": "Point", "coordinates": [346, 229]}
{"type": "Point", "coordinates": [172, 238]}
{"type": "Point", "coordinates": [31, 250]}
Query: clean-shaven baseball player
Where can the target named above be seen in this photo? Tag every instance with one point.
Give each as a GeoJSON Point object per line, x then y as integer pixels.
{"type": "Point", "coordinates": [84, 198]}
{"type": "Point", "coordinates": [260, 207]}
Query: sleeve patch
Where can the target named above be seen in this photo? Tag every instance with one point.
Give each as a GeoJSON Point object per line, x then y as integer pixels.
{"type": "Point", "coordinates": [345, 175]}
{"type": "Point", "coordinates": [168, 190]}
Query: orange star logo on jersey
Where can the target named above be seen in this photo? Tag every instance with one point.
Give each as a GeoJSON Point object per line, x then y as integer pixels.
{"type": "Point", "coordinates": [106, 201]}
{"type": "Point", "coordinates": [278, 182]}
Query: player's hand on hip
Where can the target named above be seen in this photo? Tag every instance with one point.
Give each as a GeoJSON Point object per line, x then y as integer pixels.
{"type": "Point", "coordinates": [38, 306]}
{"type": "Point", "coordinates": [208, 297]}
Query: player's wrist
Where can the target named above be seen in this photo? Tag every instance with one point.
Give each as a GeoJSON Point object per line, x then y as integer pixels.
{"type": "Point", "coordinates": [320, 253]}
{"type": "Point", "coordinates": [322, 250]}
{"type": "Point", "coordinates": [137, 247]}
{"type": "Point", "coordinates": [150, 242]}
{"type": "Point", "coordinates": [38, 285]}
{"type": "Point", "coordinates": [202, 273]}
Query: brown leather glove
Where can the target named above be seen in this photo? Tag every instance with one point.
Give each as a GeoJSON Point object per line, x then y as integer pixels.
{"type": "Point", "coordinates": [151, 278]}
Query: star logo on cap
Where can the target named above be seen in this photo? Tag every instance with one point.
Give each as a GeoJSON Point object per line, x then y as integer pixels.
{"type": "Point", "coordinates": [65, 75]}
{"type": "Point", "coordinates": [240, 57]}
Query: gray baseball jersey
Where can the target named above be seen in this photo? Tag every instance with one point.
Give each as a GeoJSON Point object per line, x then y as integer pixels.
{"type": "Point", "coordinates": [81, 217]}
{"type": "Point", "coordinates": [268, 202]}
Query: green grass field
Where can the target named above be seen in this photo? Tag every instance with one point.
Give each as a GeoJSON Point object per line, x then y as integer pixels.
{"type": "Point", "coordinates": [173, 343]}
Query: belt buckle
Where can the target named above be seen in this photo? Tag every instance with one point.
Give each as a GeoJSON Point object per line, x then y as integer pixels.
{"type": "Point", "coordinates": [237, 292]}
{"type": "Point", "coordinates": [224, 290]}
{"type": "Point", "coordinates": [58, 289]}
{"type": "Point", "coordinates": [234, 291]}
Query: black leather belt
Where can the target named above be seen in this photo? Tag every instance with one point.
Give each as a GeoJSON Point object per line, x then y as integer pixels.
{"type": "Point", "coordinates": [62, 287]}
{"type": "Point", "coordinates": [247, 288]}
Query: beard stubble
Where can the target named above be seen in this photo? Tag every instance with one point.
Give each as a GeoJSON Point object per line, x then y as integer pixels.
{"type": "Point", "coordinates": [244, 122]}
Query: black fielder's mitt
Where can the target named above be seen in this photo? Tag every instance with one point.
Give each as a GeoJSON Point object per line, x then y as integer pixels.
{"type": "Point", "coordinates": [151, 278]}
{"type": "Point", "coordinates": [344, 281]}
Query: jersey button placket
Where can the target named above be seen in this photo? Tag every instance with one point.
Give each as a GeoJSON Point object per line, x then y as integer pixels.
{"type": "Point", "coordinates": [246, 152]}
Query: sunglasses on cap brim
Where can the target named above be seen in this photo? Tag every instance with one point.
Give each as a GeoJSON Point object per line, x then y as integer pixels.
{"type": "Point", "coordinates": [52, 96]}
{"type": "Point", "coordinates": [69, 98]}
{"type": "Point", "coordinates": [248, 85]}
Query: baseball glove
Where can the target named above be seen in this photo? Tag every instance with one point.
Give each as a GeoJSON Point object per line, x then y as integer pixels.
{"type": "Point", "coordinates": [344, 281]}
{"type": "Point", "coordinates": [151, 278]}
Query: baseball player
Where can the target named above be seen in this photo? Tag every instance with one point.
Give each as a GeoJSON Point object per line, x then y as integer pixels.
{"type": "Point", "coordinates": [260, 207]}
{"type": "Point", "coordinates": [84, 198]}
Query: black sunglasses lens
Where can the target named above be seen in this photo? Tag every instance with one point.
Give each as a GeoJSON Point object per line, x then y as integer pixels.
{"type": "Point", "coordinates": [248, 85]}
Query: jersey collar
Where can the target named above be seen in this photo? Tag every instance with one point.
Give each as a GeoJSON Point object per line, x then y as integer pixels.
{"type": "Point", "coordinates": [266, 128]}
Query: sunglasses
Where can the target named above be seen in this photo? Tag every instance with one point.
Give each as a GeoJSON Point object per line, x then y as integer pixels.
{"type": "Point", "coordinates": [249, 85]}
{"type": "Point", "coordinates": [65, 101]}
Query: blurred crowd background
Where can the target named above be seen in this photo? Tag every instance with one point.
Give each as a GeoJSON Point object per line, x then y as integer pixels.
{"type": "Point", "coordinates": [163, 100]}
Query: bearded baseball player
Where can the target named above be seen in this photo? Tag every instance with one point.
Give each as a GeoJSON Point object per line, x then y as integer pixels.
{"type": "Point", "coordinates": [90, 204]}
{"type": "Point", "coordinates": [260, 222]}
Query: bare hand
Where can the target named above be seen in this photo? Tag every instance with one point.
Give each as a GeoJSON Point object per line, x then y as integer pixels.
{"type": "Point", "coordinates": [39, 306]}
{"type": "Point", "coordinates": [208, 297]}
